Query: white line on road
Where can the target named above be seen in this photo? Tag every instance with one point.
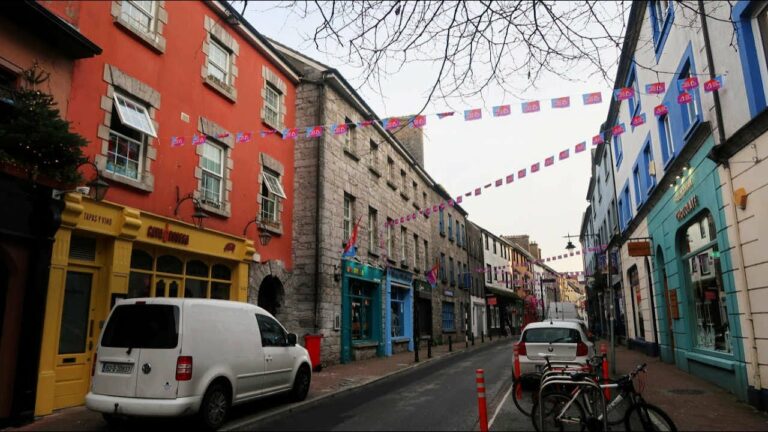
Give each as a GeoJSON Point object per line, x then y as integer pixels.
{"type": "Point", "coordinates": [498, 408]}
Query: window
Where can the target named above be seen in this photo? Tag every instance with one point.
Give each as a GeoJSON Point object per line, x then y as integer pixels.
{"type": "Point", "coordinates": [690, 111]}
{"type": "Point", "coordinates": [448, 317]}
{"type": "Point", "coordinates": [667, 141]}
{"type": "Point", "coordinates": [271, 193]}
{"type": "Point", "coordinates": [634, 102]}
{"type": "Point", "coordinates": [605, 163]}
{"type": "Point", "coordinates": [349, 137]}
{"type": "Point", "coordinates": [638, 187]}
{"type": "Point", "coordinates": [349, 201]}
{"type": "Point", "coordinates": [704, 280]}
{"type": "Point", "coordinates": [650, 169]}
{"type": "Point", "coordinates": [272, 333]}
{"type": "Point", "coordinates": [627, 207]}
{"type": "Point", "coordinates": [391, 171]}
{"type": "Point", "coordinates": [450, 268]}
{"type": "Point", "coordinates": [661, 14]}
{"type": "Point", "coordinates": [618, 150]}
{"type": "Point", "coordinates": [458, 233]}
{"type": "Point", "coordinates": [424, 197]}
{"type": "Point", "coordinates": [373, 233]}
{"type": "Point", "coordinates": [389, 238]}
{"type": "Point", "coordinates": [416, 254]}
{"type": "Point", "coordinates": [139, 14]}
{"type": "Point", "coordinates": [599, 193]}
{"type": "Point", "coordinates": [361, 299]}
{"type": "Point", "coordinates": [443, 271]}
{"type": "Point", "coordinates": [272, 100]}
{"type": "Point", "coordinates": [170, 276]}
{"type": "Point", "coordinates": [486, 241]}
{"type": "Point", "coordinates": [374, 155]}
{"type": "Point", "coordinates": [427, 264]}
{"type": "Point", "coordinates": [489, 273]}
{"type": "Point", "coordinates": [494, 247]}
{"type": "Point", "coordinates": [218, 62]}
{"type": "Point", "coordinates": [450, 227]}
{"type": "Point", "coordinates": [415, 192]}
{"type": "Point", "coordinates": [403, 241]}
{"type": "Point", "coordinates": [441, 222]}
{"type": "Point", "coordinates": [140, 326]}
{"type": "Point", "coordinates": [128, 134]}
{"type": "Point", "coordinates": [213, 174]}
{"type": "Point", "coordinates": [397, 316]}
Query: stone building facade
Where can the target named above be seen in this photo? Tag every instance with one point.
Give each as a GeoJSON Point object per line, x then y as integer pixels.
{"type": "Point", "coordinates": [476, 280]}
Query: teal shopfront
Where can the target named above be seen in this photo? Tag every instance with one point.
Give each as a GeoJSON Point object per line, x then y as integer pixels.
{"type": "Point", "coordinates": [361, 307]}
{"type": "Point", "coordinates": [398, 320]}
{"type": "Point", "coordinates": [697, 310]}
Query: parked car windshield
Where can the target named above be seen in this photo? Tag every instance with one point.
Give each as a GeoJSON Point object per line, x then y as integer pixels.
{"type": "Point", "coordinates": [551, 334]}
{"type": "Point", "coordinates": [143, 326]}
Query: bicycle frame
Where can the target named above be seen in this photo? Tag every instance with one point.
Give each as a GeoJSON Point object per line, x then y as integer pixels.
{"type": "Point", "coordinates": [565, 380]}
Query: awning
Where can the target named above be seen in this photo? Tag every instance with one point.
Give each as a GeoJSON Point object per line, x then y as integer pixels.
{"type": "Point", "coordinates": [503, 292]}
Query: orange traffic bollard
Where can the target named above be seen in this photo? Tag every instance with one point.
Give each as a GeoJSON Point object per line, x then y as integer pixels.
{"type": "Point", "coordinates": [481, 407]}
{"type": "Point", "coordinates": [604, 351]}
{"type": "Point", "coordinates": [519, 391]}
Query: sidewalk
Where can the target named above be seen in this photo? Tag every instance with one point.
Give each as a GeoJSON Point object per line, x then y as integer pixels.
{"type": "Point", "coordinates": [329, 382]}
{"type": "Point", "coordinates": [693, 404]}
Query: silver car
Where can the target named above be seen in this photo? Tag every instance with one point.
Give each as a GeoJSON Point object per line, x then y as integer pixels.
{"type": "Point", "coordinates": [564, 342]}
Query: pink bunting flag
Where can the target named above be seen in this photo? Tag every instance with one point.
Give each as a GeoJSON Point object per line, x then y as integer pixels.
{"type": "Point", "coordinates": [473, 114]}
{"type": "Point", "coordinates": [340, 129]}
{"type": "Point", "coordinates": [478, 191]}
{"type": "Point", "coordinates": [660, 110]}
{"type": "Point", "coordinates": [549, 161]}
{"type": "Point", "coordinates": [468, 194]}
{"type": "Point", "coordinates": [655, 88]}
{"type": "Point", "coordinates": [561, 102]}
{"type": "Point", "coordinates": [459, 199]}
{"type": "Point", "coordinates": [580, 147]}
{"type": "Point", "coordinates": [222, 135]}
{"type": "Point", "coordinates": [177, 141]}
{"type": "Point", "coordinates": [592, 98]}
{"type": "Point", "coordinates": [713, 84]}
{"type": "Point", "coordinates": [521, 174]}
{"type": "Point", "coordinates": [418, 121]}
{"type": "Point", "coordinates": [366, 123]}
{"type": "Point", "coordinates": [564, 154]}
{"type": "Point", "coordinates": [243, 137]}
{"type": "Point", "coordinates": [450, 202]}
{"type": "Point", "coordinates": [689, 83]}
{"type": "Point", "coordinates": [502, 110]}
{"type": "Point", "coordinates": [598, 139]}
{"type": "Point", "coordinates": [291, 133]}
{"type": "Point", "coordinates": [408, 218]}
{"type": "Point", "coordinates": [499, 182]}
{"type": "Point", "coordinates": [402, 219]}
{"type": "Point", "coordinates": [488, 185]}
{"type": "Point", "coordinates": [315, 132]}
{"type": "Point", "coordinates": [198, 139]}
{"type": "Point", "coordinates": [443, 115]}
{"type": "Point", "coordinates": [624, 93]}
{"type": "Point", "coordinates": [510, 178]}
{"type": "Point", "coordinates": [684, 98]}
{"type": "Point", "coordinates": [638, 120]}
{"type": "Point", "coordinates": [391, 123]}
{"type": "Point", "coordinates": [547, 259]}
{"type": "Point", "coordinates": [578, 252]}
{"type": "Point", "coordinates": [267, 132]}
{"type": "Point", "coordinates": [618, 129]}
{"type": "Point", "coordinates": [442, 205]}
{"type": "Point", "coordinates": [531, 107]}
{"type": "Point", "coordinates": [435, 209]}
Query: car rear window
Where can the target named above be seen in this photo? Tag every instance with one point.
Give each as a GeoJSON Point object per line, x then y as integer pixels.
{"type": "Point", "coordinates": [551, 334]}
{"type": "Point", "coordinates": [143, 326]}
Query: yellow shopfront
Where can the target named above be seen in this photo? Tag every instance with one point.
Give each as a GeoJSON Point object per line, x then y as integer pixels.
{"type": "Point", "coordinates": [104, 252]}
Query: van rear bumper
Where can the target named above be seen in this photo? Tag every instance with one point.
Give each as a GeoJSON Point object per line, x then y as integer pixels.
{"type": "Point", "coordinates": [143, 407]}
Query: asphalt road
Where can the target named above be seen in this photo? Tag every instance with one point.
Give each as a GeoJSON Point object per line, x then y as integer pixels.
{"type": "Point", "coordinates": [438, 396]}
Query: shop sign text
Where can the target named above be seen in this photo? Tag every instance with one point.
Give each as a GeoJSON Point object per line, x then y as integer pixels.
{"type": "Point", "coordinates": [687, 208]}
{"type": "Point", "coordinates": [684, 187]}
{"type": "Point", "coordinates": [167, 236]}
{"type": "Point", "coordinates": [96, 218]}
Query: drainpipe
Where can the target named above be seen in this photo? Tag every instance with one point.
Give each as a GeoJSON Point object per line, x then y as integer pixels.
{"type": "Point", "coordinates": [729, 183]}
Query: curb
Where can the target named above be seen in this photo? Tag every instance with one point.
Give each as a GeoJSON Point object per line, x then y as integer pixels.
{"type": "Point", "coordinates": [308, 403]}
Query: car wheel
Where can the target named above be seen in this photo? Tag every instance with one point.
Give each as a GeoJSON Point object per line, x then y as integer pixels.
{"type": "Point", "coordinates": [215, 407]}
{"type": "Point", "coordinates": [301, 384]}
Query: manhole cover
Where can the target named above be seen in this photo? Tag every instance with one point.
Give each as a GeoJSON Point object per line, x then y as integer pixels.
{"type": "Point", "coordinates": [686, 391]}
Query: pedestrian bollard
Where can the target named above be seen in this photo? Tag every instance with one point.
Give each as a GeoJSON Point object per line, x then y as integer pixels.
{"type": "Point", "coordinates": [472, 335]}
{"type": "Point", "coordinates": [482, 337]}
{"type": "Point", "coordinates": [481, 407]}
{"type": "Point", "coordinates": [466, 340]}
{"type": "Point", "coordinates": [519, 391]}
{"type": "Point", "coordinates": [429, 348]}
{"type": "Point", "coordinates": [604, 351]}
{"type": "Point", "coordinates": [416, 350]}
{"type": "Point", "coordinates": [450, 344]}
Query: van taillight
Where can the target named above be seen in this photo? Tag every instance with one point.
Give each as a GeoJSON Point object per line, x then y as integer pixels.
{"type": "Point", "coordinates": [581, 349]}
{"type": "Point", "coordinates": [184, 368]}
{"type": "Point", "coordinates": [521, 351]}
{"type": "Point", "coordinates": [93, 366]}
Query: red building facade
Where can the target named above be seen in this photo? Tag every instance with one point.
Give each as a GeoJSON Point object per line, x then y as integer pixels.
{"type": "Point", "coordinates": [181, 215]}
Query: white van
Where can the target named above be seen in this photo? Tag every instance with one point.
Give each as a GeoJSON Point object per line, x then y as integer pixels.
{"type": "Point", "coordinates": [163, 357]}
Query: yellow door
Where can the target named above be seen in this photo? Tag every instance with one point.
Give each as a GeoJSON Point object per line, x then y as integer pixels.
{"type": "Point", "coordinates": [77, 339]}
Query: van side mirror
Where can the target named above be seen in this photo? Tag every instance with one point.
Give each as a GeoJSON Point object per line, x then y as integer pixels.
{"type": "Point", "coordinates": [292, 339]}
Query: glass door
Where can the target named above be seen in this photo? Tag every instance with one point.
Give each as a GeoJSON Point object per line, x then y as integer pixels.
{"type": "Point", "coordinates": [166, 286]}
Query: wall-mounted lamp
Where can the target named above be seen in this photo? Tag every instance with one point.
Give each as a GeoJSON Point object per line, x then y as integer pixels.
{"type": "Point", "coordinates": [198, 215]}
{"type": "Point", "coordinates": [740, 198]}
{"type": "Point", "coordinates": [264, 235]}
{"type": "Point", "coordinates": [96, 188]}
{"type": "Point", "coordinates": [336, 273]}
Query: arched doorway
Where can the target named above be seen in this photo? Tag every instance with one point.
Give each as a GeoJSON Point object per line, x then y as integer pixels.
{"type": "Point", "coordinates": [270, 295]}
{"type": "Point", "coordinates": [668, 327]}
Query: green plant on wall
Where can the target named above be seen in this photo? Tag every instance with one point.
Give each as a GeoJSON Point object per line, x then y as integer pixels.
{"type": "Point", "coordinates": [33, 136]}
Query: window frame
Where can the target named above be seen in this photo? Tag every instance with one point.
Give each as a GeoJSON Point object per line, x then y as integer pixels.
{"type": "Point", "coordinates": [373, 233]}
{"type": "Point", "coordinates": [269, 87]}
{"type": "Point", "coordinates": [151, 27]}
{"type": "Point", "coordinates": [123, 116]}
{"type": "Point", "coordinates": [348, 217]}
{"type": "Point", "coordinates": [220, 175]}
{"type": "Point", "coordinates": [227, 68]}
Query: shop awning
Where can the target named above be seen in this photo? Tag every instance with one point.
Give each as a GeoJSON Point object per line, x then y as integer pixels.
{"type": "Point", "coordinates": [503, 292]}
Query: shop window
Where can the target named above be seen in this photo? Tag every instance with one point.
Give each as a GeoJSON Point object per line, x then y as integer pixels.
{"type": "Point", "coordinates": [196, 280]}
{"type": "Point", "coordinates": [701, 257]}
{"type": "Point", "coordinates": [362, 310]}
{"type": "Point", "coordinates": [169, 264]}
{"type": "Point", "coordinates": [219, 271]}
{"type": "Point", "coordinates": [141, 260]}
{"type": "Point", "coordinates": [139, 285]}
{"type": "Point", "coordinates": [197, 268]}
{"type": "Point", "coordinates": [195, 288]}
{"type": "Point", "coordinates": [449, 317]}
{"type": "Point", "coordinates": [398, 312]}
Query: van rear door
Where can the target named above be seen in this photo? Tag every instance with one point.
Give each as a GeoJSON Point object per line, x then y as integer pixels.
{"type": "Point", "coordinates": [132, 333]}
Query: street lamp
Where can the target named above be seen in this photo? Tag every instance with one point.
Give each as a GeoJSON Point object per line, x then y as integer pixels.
{"type": "Point", "coordinates": [198, 215]}
{"type": "Point", "coordinates": [97, 185]}
{"type": "Point", "coordinates": [264, 235]}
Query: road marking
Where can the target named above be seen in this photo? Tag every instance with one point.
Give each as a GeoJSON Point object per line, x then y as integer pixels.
{"type": "Point", "coordinates": [498, 408]}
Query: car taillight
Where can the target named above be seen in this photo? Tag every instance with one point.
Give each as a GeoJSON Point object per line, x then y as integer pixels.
{"type": "Point", "coordinates": [184, 368]}
{"type": "Point", "coordinates": [581, 349]}
{"type": "Point", "coordinates": [521, 351]}
{"type": "Point", "coordinates": [93, 366]}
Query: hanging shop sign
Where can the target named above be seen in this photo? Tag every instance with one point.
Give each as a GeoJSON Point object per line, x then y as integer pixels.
{"type": "Point", "coordinates": [491, 301]}
{"type": "Point", "coordinates": [639, 248]}
{"type": "Point", "coordinates": [687, 208]}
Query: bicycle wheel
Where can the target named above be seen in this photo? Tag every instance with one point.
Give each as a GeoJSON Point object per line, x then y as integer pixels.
{"type": "Point", "coordinates": [646, 417]}
{"type": "Point", "coordinates": [560, 413]}
{"type": "Point", "coordinates": [618, 412]}
{"type": "Point", "coordinates": [526, 398]}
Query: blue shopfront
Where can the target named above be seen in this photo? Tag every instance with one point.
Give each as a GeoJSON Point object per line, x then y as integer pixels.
{"type": "Point", "coordinates": [697, 310]}
{"type": "Point", "coordinates": [398, 320]}
{"type": "Point", "coordinates": [361, 301]}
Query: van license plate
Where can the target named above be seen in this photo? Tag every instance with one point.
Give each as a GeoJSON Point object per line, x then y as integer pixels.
{"type": "Point", "coordinates": [117, 368]}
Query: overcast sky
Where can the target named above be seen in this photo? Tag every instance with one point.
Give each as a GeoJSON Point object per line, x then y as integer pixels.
{"type": "Point", "coordinates": [465, 155]}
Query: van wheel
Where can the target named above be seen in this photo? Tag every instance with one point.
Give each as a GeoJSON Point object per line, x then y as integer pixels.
{"type": "Point", "coordinates": [215, 406]}
{"type": "Point", "coordinates": [301, 384]}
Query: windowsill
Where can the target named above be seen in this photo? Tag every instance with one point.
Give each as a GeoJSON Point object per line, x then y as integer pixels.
{"type": "Point", "coordinates": [373, 254]}
{"type": "Point", "coordinates": [156, 43]}
{"type": "Point", "coordinates": [404, 196]}
{"type": "Point", "coordinates": [219, 211]}
{"type": "Point", "coordinates": [272, 228]}
{"type": "Point", "coordinates": [374, 171]}
{"type": "Point", "coordinates": [273, 127]}
{"type": "Point", "coordinates": [391, 261]}
{"type": "Point", "coordinates": [226, 91]}
{"type": "Point", "coordinates": [351, 155]}
{"type": "Point", "coordinates": [401, 339]}
{"type": "Point", "coordinates": [365, 344]}
{"type": "Point", "coordinates": [136, 184]}
{"type": "Point", "coordinates": [416, 206]}
{"type": "Point", "coordinates": [391, 185]}
{"type": "Point", "coordinates": [403, 265]}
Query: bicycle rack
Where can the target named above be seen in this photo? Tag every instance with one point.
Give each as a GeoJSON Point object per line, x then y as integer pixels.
{"type": "Point", "coordinates": [565, 379]}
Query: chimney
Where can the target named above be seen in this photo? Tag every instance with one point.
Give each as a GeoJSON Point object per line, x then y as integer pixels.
{"type": "Point", "coordinates": [412, 138]}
